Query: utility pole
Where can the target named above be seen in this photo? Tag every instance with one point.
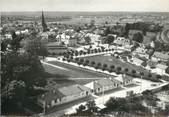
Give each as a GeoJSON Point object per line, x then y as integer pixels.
{"type": "Point", "coordinates": [44, 108]}
{"type": "Point", "coordinates": [103, 94]}
{"type": "Point", "coordinates": [141, 85]}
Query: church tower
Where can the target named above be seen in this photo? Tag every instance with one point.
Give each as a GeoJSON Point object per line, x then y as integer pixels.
{"type": "Point", "coordinates": [44, 26]}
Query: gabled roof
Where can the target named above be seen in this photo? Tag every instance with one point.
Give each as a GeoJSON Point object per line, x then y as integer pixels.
{"type": "Point", "coordinates": [55, 92]}
{"type": "Point", "coordinates": [151, 63]}
{"type": "Point", "coordinates": [161, 66]}
{"type": "Point", "coordinates": [115, 81]}
{"type": "Point", "coordinates": [127, 77]}
{"type": "Point", "coordinates": [119, 78]}
{"type": "Point", "coordinates": [138, 60]}
{"type": "Point", "coordinates": [123, 78]}
{"type": "Point", "coordinates": [51, 95]}
{"type": "Point", "coordinates": [105, 82]}
{"type": "Point", "coordinates": [73, 89]}
{"type": "Point", "coordinates": [161, 55]}
{"type": "Point", "coordinates": [83, 88]}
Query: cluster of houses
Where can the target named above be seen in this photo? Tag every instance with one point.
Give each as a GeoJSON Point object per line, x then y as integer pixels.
{"type": "Point", "coordinates": [55, 96]}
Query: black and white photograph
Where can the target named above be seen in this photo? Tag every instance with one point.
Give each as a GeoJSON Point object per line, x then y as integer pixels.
{"type": "Point", "coordinates": [84, 58]}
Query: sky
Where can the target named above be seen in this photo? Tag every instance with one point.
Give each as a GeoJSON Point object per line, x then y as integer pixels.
{"type": "Point", "coordinates": [85, 5]}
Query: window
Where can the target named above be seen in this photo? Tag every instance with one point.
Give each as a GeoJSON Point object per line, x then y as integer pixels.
{"type": "Point", "coordinates": [98, 89]}
{"type": "Point", "coordinates": [87, 93]}
{"type": "Point", "coordinates": [55, 100]}
{"type": "Point", "coordinates": [92, 91]}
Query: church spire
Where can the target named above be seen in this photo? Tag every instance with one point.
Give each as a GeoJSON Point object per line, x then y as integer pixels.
{"type": "Point", "coordinates": [44, 23]}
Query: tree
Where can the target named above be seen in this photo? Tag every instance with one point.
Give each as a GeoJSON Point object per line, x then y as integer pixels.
{"type": "Point", "coordinates": [104, 66]}
{"type": "Point", "coordinates": [167, 70]}
{"type": "Point", "coordinates": [127, 28]}
{"type": "Point", "coordinates": [76, 59]}
{"type": "Point", "coordinates": [111, 68]}
{"type": "Point", "coordinates": [95, 50]}
{"type": "Point", "coordinates": [133, 71]}
{"type": "Point", "coordinates": [20, 73]}
{"type": "Point", "coordinates": [15, 42]}
{"type": "Point", "coordinates": [37, 48]}
{"type": "Point", "coordinates": [92, 63]}
{"type": "Point", "coordinates": [92, 23]}
{"type": "Point", "coordinates": [130, 104]}
{"type": "Point", "coordinates": [87, 39]}
{"type": "Point", "coordinates": [144, 64]}
{"type": "Point", "coordinates": [107, 31]}
{"type": "Point", "coordinates": [99, 65]}
{"type": "Point", "coordinates": [118, 69]}
{"type": "Point", "coordinates": [80, 61]}
{"type": "Point", "coordinates": [91, 105]}
{"type": "Point", "coordinates": [110, 39]}
{"type": "Point", "coordinates": [138, 37]}
{"type": "Point", "coordinates": [43, 51]}
{"type": "Point", "coordinates": [81, 109]}
{"type": "Point", "coordinates": [142, 73]}
{"type": "Point", "coordinates": [76, 53]}
{"type": "Point", "coordinates": [87, 61]}
{"type": "Point", "coordinates": [4, 44]}
{"type": "Point", "coordinates": [158, 76]}
{"type": "Point", "coordinates": [126, 70]}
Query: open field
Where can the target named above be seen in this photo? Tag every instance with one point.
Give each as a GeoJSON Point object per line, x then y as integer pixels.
{"type": "Point", "coordinates": [66, 75]}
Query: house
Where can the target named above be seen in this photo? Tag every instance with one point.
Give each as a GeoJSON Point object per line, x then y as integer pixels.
{"type": "Point", "coordinates": [63, 38]}
{"type": "Point", "coordinates": [124, 79]}
{"type": "Point", "coordinates": [95, 39]}
{"type": "Point", "coordinates": [137, 61]}
{"type": "Point", "coordinates": [122, 41]}
{"type": "Point", "coordinates": [141, 51]}
{"type": "Point", "coordinates": [72, 42]}
{"type": "Point", "coordinates": [8, 36]}
{"type": "Point", "coordinates": [57, 96]}
{"type": "Point", "coordinates": [151, 64]}
{"type": "Point", "coordinates": [103, 85]}
{"type": "Point", "coordinates": [160, 69]}
{"type": "Point", "coordinates": [18, 32]}
{"type": "Point", "coordinates": [159, 56]}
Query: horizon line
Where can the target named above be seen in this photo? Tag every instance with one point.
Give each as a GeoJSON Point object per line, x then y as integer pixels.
{"type": "Point", "coordinates": [83, 11]}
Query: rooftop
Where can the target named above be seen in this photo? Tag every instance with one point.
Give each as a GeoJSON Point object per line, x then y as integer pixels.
{"type": "Point", "coordinates": [161, 55]}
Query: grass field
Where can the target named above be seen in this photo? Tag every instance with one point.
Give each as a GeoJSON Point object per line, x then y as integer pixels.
{"type": "Point", "coordinates": [70, 74]}
{"type": "Point", "coordinates": [110, 60]}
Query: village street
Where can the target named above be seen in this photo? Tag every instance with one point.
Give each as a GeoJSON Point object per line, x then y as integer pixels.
{"type": "Point", "coordinates": [140, 86]}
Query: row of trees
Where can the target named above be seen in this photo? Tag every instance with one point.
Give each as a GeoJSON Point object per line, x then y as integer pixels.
{"type": "Point", "coordinates": [81, 52]}
{"type": "Point", "coordinates": [142, 26]}
{"type": "Point", "coordinates": [112, 68]}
